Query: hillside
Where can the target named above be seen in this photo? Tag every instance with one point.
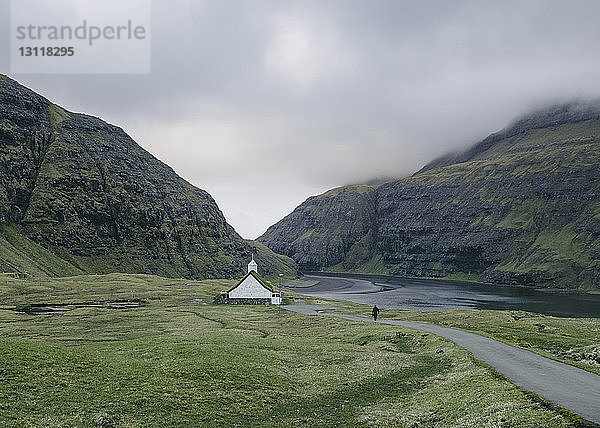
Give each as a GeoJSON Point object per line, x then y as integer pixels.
{"type": "Point", "coordinates": [84, 197]}
{"type": "Point", "coordinates": [328, 229]}
{"type": "Point", "coordinates": [520, 207]}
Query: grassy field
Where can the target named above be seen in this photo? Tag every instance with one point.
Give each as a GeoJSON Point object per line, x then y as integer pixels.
{"type": "Point", "coordinates": [177, 360]}
{"type": "Point", "coordinates": [574, 341]}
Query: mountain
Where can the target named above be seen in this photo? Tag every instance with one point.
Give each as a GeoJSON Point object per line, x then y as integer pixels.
{"type": "Point", "coordinates": [79, 195]}
{"type": "Point", "coordinates": [520, 207]}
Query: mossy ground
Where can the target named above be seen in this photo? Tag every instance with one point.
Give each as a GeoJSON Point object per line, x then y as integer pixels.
{"type": "Point", "coordinates": [21, 255]}
{"type": "Point", "coordinates": [574, 341]}
{"type": "Point", "coordinates": [180, 361]}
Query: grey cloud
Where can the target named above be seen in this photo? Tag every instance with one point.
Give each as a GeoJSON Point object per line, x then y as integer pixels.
{"type": "Point", "coordinates": [282, 99]}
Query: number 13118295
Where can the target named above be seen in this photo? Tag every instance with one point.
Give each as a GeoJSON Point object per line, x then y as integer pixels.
{"type": "Point", "coordinates": [47, 51]}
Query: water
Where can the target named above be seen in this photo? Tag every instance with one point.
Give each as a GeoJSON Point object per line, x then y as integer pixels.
{"type": "Point", "coordinates": [432, 295]}
{"type": "Point", "coordinates": [62, 308]}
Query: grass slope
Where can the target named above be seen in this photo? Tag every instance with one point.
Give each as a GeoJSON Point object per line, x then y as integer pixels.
{"type": "Point", "coordinates": [272, 264]}
{"type": "Point", "coordinates": [178, 361]}
{"type": "Point", "coordinates": [18, 254]}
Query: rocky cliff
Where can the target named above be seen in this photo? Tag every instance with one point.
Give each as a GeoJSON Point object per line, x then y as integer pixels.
{"type": "Point", "coordinates": [326, 230]}
{"type": "Point", "coordinates": [522, 206]}
{"type": "Point", "coordinates": [85, 192]}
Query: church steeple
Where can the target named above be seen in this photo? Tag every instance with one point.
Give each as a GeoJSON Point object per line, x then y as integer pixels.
{"type": "Point", "coordinates": [252, 266]}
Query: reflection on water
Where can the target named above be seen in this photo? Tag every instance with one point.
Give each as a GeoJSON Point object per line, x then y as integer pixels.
{"type": "Point", "coordinates": [431, 295]}
{"type": "Point", "coordinates": [62, 308]}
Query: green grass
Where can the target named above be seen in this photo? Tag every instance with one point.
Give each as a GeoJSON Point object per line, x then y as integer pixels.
{"type": "Point", "coordinates": [18, 254]}
{"type": "Point", "coordinates": [574, 341]}
{"type": "Point", "coordinates": [275, 263]}
{"type": "Point", "coordinates": [375, 265]}
{"type": "Point", "coordinates": [462, 276]}
{"type": "Point", "coordinates": [180, 361]}
{"type": "Point", "coordinates": [362, 189]}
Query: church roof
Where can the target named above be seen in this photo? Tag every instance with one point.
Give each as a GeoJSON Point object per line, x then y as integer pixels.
{"type": "Point", "coordinates": [257, 277]}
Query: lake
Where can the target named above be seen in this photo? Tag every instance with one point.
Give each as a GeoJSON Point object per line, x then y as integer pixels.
{"type": "Point", "coordinates": [434, 295]}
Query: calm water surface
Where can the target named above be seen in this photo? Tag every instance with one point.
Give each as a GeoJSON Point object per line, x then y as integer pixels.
{"type": "Point", "coordinates": [431, 295]}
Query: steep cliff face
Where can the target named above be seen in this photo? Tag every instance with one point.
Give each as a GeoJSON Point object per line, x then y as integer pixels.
{"type": "Point", "coordinates": [86, 191]}
{"type": "Point", "coordinates": [336, 227]}
{"type": "Point", "coordinates": [522, 206]}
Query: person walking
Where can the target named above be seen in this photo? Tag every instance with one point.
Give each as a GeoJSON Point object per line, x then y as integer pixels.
{"type": "Point", "coordinates": [375, 312]}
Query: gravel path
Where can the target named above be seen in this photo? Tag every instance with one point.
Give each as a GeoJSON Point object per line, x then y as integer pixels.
{"type": "Point", "coordinates": [564, 385]}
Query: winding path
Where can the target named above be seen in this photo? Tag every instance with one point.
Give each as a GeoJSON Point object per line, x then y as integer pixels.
{"type": "Point", "coordinates": [564, 385]}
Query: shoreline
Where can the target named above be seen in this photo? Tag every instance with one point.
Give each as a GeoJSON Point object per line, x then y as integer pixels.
{"type": "Point", "coordinates": [372, 277]}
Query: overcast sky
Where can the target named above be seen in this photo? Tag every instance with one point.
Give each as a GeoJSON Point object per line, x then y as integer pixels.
{"type": "Point", "coordinates": [264, 103]}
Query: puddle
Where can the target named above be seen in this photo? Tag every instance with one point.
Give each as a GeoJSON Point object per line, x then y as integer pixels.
{"type": "Point", "coordinates": [61, 308]}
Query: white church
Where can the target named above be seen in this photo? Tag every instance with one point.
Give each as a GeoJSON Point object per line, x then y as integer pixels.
{"type": "Point", "coordinates": [252, 289]}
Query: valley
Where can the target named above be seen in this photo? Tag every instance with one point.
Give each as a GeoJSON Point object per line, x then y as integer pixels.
{"type": "Point", "coordinates": [171, 362]}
